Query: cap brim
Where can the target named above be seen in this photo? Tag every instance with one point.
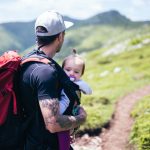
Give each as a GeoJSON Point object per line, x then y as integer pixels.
{"type": "Point", "coordinates": [68, 24]}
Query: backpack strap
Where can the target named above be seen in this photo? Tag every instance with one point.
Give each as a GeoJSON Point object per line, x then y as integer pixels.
{"type": "Point", "coordinates": [36, 59]}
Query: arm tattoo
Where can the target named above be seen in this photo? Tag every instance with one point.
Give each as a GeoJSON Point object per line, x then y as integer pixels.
{"type": "Point", "coordinates": [50, 111]}
{"type": "Point", "coordinates": [52, 105]}
{"type": "Point", "coordinates": [51, 108]}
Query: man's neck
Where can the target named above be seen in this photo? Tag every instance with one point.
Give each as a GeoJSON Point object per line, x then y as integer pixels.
{"type": "Point", "coordinates": [48, 50]}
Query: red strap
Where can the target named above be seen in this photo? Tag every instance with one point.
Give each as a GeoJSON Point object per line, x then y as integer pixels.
{"type": "Point", "coordinates": [43, 60]}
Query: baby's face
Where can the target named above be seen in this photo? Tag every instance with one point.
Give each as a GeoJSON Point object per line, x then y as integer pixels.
{"type": "Point", "coordinates": [73, 68]}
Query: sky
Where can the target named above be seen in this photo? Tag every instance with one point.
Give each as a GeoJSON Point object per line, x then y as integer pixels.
{"type": "Point", "coordinates": [28, 10]}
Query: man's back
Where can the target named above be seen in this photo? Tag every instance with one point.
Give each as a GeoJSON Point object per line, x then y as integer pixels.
{"type": "Point", "coordinates": [33, 76]}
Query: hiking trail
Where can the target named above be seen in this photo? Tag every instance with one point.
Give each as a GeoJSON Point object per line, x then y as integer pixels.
{"type": "Point", "coordinates": [116, 136]}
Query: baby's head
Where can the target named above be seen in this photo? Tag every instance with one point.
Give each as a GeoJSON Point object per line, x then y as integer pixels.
{"type": "Point", "coordinates": [74, 66]}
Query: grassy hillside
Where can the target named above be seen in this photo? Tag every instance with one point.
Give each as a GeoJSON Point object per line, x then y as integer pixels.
{"type": "Point", "coordinates": [112, 77]}
{"type": "Point", "coordinates": [101, 37]}
{"type": "Point", "coordinates": [91, 37]}
{"type": "Point", "coordinates": [20, 35]}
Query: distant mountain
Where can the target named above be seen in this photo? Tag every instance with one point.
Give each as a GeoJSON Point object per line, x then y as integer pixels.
{"type": "Point", "coordinates": [20, 35]}
{"type": "Point", "coordinates": [111, 17]}
{"type": "Point", "coordinates": [71, 19]}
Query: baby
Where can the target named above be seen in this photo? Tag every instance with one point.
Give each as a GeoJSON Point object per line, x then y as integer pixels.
{"type": "Point", "coordinates": [74, 67]}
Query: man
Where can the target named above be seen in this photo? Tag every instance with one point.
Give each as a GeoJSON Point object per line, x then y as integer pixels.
{"type": "Point", "coordinates": [40, 87]}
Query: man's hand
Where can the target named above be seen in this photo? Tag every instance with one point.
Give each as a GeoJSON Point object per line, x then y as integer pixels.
{"type": "Point", "coordinates": [82, 113]}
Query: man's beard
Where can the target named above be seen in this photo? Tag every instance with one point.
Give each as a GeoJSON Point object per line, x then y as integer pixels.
{"type": "Point", "coordinates": [59, 48]}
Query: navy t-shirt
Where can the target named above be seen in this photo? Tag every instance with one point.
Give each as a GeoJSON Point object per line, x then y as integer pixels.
{"type": "Point", "coordinates": [38, 81]}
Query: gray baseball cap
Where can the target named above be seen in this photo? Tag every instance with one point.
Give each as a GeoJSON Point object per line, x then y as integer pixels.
{"type": "Point", "coordinates": [53, 22]}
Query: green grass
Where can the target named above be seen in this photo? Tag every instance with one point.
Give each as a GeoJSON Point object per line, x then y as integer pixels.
{"type": "Point", "coordinates": [133, 74]}
{"type": "Point", "coordinates": [140, 135]}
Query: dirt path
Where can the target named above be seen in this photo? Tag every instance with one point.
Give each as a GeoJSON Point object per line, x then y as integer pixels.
{"type": "Point", "coordinates": [116, 137]}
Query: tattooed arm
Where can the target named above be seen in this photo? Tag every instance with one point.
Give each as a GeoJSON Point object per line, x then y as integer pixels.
{"type": "Point", "coordinates": [56, 122]}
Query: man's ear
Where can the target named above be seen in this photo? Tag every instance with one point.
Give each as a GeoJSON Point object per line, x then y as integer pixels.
{"type": "Point", "coordinates": [61, 36]}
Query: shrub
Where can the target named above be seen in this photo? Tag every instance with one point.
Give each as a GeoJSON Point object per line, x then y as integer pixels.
{"type": "Point", "coordinates": [140, 135]}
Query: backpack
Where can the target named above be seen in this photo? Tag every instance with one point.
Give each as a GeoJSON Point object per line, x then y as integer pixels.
{"type": "Point", "coordinates": [13, 125]}
{"type": "Point", "coordinates": [9, 63]}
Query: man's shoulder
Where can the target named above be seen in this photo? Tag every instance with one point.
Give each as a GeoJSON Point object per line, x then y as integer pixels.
{"type": "Point", "coordinates": [37, 69]}
{"type": "Point", "coordinates": [32, 65]}
{"type": "Point", "coordinates": [42, 69]}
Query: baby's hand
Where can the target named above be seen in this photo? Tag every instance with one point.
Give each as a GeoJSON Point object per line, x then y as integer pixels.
{"type": "Point", "coordinates": [72, 139]}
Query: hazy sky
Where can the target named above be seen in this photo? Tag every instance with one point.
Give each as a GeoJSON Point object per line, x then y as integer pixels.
{"type": "Point", "coordinates": [27, 10]}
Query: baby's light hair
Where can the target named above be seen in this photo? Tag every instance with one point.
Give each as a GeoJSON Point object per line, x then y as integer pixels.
{"type": "Point", "coordinates": [74, 55]}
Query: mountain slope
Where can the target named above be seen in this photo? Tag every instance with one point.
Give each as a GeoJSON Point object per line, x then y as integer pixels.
{"type": "Point", "coordinates": [85, 35]}
{"type": "Point", "coordinates": [20, 32]}
{"type": "Point", "coordinates": [7, 41]}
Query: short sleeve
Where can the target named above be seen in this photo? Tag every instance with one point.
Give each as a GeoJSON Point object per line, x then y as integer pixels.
{"type": "Point", "coordinates": [44, 78]}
